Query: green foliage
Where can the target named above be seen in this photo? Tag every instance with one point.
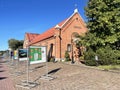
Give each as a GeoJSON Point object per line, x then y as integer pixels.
{"type": "Point", "coordinates": [52, 59]}
{"type": "Point", "coordinates": [103, 23]}
{"type": "Point", "coordinates": [103, 37]}
{"type": "Point", "coordinates": [118, 62]}
{"type": "Point", "coordinates": [110, 67]}
{"type": "Point", "coordinates": [91, 62]}
{"type": "Point", "coordinates": [2, 52]}
{"type": "Point", "coordinates": [89, 54]}
{"type": "Point", "coordinates": [89, 57]}
{"type": "Point", "coordinates": [67, 56]}
{"type": "Point", "coordinates": [15, 44]}
{"type": "Point", "coordinates": [82, 57]}
{"type": "Point", "coordinates": [107, 56]}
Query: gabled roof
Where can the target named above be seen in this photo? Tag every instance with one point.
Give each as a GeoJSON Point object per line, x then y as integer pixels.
{"type": "Point", "coordinates": [51, 31]}
{"type": "Point", "coordinates": [31, 36]}
{"type": "Point", "coordinates": [47, 34]}
{"type": "Point", "coordinates": [75, 11]}
{"type": "Point", "coordinates": [43, 36]}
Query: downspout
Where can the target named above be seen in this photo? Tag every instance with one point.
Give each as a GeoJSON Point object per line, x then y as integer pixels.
{"type": "Point", "coordinates": [60, 43]}
{"type": "Point", "coordinates": [55, 46]}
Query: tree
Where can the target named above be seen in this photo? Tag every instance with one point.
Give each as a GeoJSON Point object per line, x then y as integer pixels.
{"type": "Point", "coordinates": [2, 52]}
{"type": "Point", "coordinates": [103, 37]}
{"type": "Point", "coordinates": [15, 44]}
{"type": "Point", "coordinates": [103, 23]}
{"type": "Point", "coordinates": [20, 44]}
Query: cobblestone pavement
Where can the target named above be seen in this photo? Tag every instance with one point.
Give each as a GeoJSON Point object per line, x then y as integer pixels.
{"type": "Point", "coordinates": [5, 80]}
{"type": "Point", "coordinates": [67, 77]}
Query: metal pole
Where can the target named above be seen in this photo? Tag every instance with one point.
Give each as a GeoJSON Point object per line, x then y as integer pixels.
{"type": "Point", "coordinates": [27, 66]}
{"type": "Point", "coordinates": [46, 63]}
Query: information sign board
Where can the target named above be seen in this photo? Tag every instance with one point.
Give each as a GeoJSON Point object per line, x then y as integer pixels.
{"type": "Point", "coordinates": [37, 54]}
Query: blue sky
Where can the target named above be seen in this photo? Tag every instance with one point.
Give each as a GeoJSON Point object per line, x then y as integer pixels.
{"type": "Point", "coordinates": [35, 16]}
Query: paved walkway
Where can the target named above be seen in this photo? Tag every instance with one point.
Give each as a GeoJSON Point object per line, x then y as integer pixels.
{"type": "Point", "coordinates": [5, 81]}
{"type": "Point", "coordinates": [68, 77]}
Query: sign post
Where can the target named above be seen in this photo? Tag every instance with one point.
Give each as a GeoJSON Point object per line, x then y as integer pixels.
{"type": "Point", "coordinates": [27, 66]}
{"type": "Point", "coordinates": [39, 55]}
{"type": "Point", "coordinates": [35, 55]}
{"type": "Point", "coordinates": [28, 84]}
{"type": "Point", "coordinates": [46, 76]}
{"type": "Point", "coordinates": [16, 61]}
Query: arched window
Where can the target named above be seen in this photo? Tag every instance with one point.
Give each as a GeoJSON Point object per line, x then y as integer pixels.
{"type": "Point", "coordinates": [68, 47]}
{"type": "Point", "coordinates": [74, 37]}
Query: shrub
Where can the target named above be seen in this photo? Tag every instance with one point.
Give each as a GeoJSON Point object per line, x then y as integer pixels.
{"type": "Point", "coordinates": [118, 61]}
{"type": "Point", "coordinates": [67, 56]}
{"type": "Point", "coordinates": [107, 56]}
{"type": "Point", "coordinates": [52, 59]}
{"type": "Point", "coordinates": [89, 54]}
{"type": "Point", "coordinates": [82, 57]}
{"type": "Point", "coordinates": [89, 57]}
{"type": "Point", "coordinates": [91, 62]}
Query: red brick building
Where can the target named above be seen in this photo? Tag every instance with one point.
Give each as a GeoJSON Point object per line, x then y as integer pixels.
{"type": "Point", "coordinates": [60, 38]}
{"type": "Point", "coordinates": [28, 38]}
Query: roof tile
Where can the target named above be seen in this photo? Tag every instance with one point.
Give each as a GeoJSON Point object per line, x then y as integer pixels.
{"type": "Point", "coordinates": [46, 34]}
{"type": "Point", "coordinates": [31, 36]}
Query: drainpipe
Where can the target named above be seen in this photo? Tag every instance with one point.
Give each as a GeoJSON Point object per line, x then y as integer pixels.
{"type": "Point", "coordinates": [60, 43]}
{"type": "Point", "coordinates": [55, 47]}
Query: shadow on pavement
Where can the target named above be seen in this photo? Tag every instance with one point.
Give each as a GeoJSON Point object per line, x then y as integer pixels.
{"type": "Point", "coordinates": [2, 70]}
{"type": "Point", "coordinates": [39, 67]}
{"type": "Point", "coordinates": [1, 78]}
{"type": "Point", "coordinates": [3, 61]}
{"type": "Point", "coordinates": [54, 71]}
{"type": "Point", "coordinates": [51, 72]}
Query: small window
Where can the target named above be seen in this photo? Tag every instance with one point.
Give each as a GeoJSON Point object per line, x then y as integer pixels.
{"type": "Point", "coordinates": [68, 47]}
{"type": "Point", "coordinates": [76, 18]}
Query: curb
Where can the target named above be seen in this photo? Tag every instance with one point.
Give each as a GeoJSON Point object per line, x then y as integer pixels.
{"type": "Point", "coordinates": [90, 67]}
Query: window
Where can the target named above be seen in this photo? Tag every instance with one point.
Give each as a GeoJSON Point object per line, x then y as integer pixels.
{"type": "Point", "coordinates": [68, 47]}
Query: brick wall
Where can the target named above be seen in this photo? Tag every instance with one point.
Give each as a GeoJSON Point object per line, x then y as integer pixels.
{"type": "Point", "coordinates": [63, 37]}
